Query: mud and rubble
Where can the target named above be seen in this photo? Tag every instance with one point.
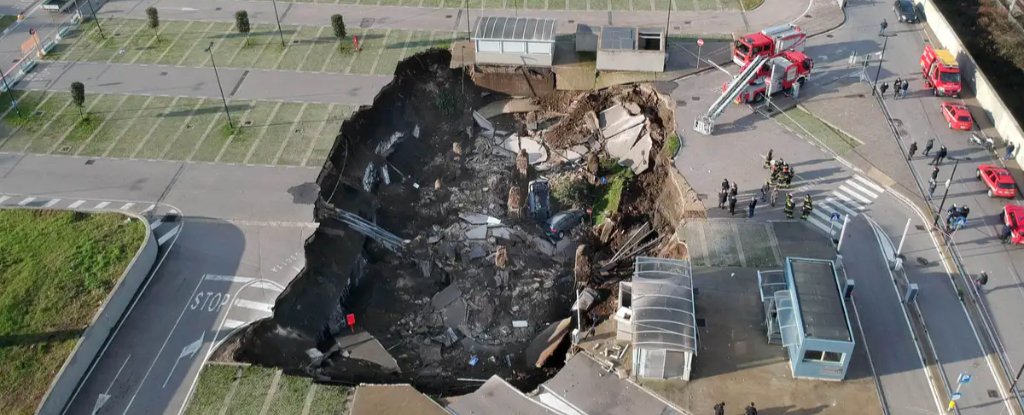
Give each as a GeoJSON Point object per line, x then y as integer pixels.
{"type": "Point", "coordinates": [428, 266]}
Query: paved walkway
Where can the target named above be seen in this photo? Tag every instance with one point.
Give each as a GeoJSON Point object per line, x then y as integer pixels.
{"type": "Point", "coordinates": [838, 97]}
{"type": "Point", "coordinates": [165, 80]}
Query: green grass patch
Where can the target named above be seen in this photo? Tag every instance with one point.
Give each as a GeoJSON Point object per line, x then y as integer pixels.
{"type": "Point", "coordinates": [7, 21]}
{"type": "Point", "coordinates": [609, 195]}
{"type": "Point", "coordinates": [252, 389]}
{"type": "Point", "coordinates": [117, 123]}
{"type": "Point", "coordinates": [290, 396]}
{"type": "Point", "coordinates": [146, 119]}
{"type": "Point", "coordinates": [56, 268]}
{"type": "Point", "coordinates": [330, 400]}
{"type": "Point", "coordinates": [749, 5]}
{"type": "Point", "coordinates": [211, 390]}
{"type": "Point", "coordinates": [804, 124]}
{"type": "Point", "coordinates": [671, 146]}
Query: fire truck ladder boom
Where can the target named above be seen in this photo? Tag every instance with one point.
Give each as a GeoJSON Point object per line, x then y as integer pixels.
{"type": "Point", "coordinates": [705, 124]}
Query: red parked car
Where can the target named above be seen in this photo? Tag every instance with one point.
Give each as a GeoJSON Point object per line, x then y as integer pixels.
{"type": "Point", "coordinates": [999, 181]}
{"type": "Point", "coordinates": [1013, 216]}
{"type": "Point", "coordinates": [958, 117]}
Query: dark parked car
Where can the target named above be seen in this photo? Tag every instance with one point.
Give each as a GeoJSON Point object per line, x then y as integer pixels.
{"type": "Point", "coordinates": [537, 199]}
{"type": "Point", "coordinates": [905, 11]}
{"type": "Point", "coordinates": [563, 222]}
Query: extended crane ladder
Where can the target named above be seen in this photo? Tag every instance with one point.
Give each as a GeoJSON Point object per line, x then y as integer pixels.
{"type": "Point", "coordinates": [705, 124]}
{"type": "Point", "coordinates": [392, 242]}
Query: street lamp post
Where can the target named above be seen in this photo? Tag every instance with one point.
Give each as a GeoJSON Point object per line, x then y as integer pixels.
{"type": "Point", "coordinates": [278, 18]}
{"type": "Point", "coordinates": [466, 5]}
{"type": "Point", "coordinates": [217, 74]}
{"type": "Point", "coordinates": [96, 19]}
{"type": "Point", "coordinates": [946, 193]}
{"type": "Point", "coordinates": [14, 103]}
{"type": "Point", "coordinates": [668, 22]}
{"type": "Point", "coordinates": [885, 42]}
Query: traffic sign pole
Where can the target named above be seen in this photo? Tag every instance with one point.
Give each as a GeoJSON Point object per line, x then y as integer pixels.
{"type": "Point", "coordinates": [902, 238]}
{"type": "Point", "coordinates": [700, 44]}
{"type": "Point", "coordinates": [962, 380]}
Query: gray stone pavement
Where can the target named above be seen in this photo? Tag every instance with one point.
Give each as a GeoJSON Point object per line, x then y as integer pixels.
{"type": "Point", "coordinates": [169, 80]}
{"type": "Point", "coordinates": [739, 144]}
{"type": "Point", "coordinates": [840, 99]}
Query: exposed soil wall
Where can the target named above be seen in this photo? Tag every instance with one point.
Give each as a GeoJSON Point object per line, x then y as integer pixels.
{"type": "Point", "coordinates": [512, 81]}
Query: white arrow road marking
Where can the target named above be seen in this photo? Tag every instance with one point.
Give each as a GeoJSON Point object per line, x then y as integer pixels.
{"type": "Point", "coordinates": [187, 351]}
{"type": "Point", "coordinates": [167, 236]}
{"type": "Point", "coordinates": [105, 396]}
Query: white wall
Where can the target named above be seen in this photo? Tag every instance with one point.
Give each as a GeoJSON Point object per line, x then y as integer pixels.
{"type": "Point", "coordinates": [1007, 126]}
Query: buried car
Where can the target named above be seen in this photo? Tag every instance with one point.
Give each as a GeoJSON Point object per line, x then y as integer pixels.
{"type": "Point", "coordinates": [564, 222]}
{"type": "Point", "coordinates": [999, 181]}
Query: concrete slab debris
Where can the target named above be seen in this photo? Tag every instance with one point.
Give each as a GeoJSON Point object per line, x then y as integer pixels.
{"type": "Point", "coordinates": [483, 123]}
{"type": "Point", "coordinates": [520, 323]}
{"type": "Point", "coordinates": [477, 251]}
{"type": "Point", "coordinates": [544, 345]}
{"type": "Point", "coordinates": [508, 106]}
{"type": "Point", "coordinates": [362, 345]}
{"type": "Point", "coordinates": [535, 150]}
{"type": "Point", "coordinates": [630, 151]}
{"type": "Point", "coordinates": [497, 396]}
{"type": "Point", "coordinates": [479, 219]}
{"type": "Point", "coordinates": [616, 119]}
{"type": "Point", "coordinates": [477, 232]}
{"type": "Point", "coordinates": [393, 399]}
{"type": "Point", "coordinates": [585, 300]}
{"type": "Point", "coordinates": [502, 232]}
{"type": "Point", "coordinates": [445, 297]}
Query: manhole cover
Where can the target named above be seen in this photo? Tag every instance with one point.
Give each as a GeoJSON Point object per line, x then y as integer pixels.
{"type": "Point", "coordinates": [295, 41]}
{"type": "Point", "coordinates": [89, 162]}
{"type": "Point", "coordinates": [15, 60]}
{"type": "Point", "coordinates": [686, 22]}
{"type": "Point", "coordinates": [695, 98]}
{"type": "Point", "coordinates": [163, 73]}
{"type": "Point", "coordinates": [38, 113]}
{"type": "Point", "coordinates": [217, 9]}
{"type": "Point", "coordinates": [572, 21]}
{"type": "Point", "coordinates": [187, 126]}
{"type": "Point", "coordinates": [448, 16]}
{"type": "Point", "coordinates": [366, 22]}
{"type": "Point", "coordinates": [861, 95]}
{"type": "Point", "coordinates": [922, 260]}
{"type": "Point", "coordinates": [701, 322]}
{"type": "Point", "coordinates": [807, 16]}
{"type": "Point", "coordinates": [680, 103]}
{"type": "Point", "coordinates": [65, 149]}
{"type": "Point", "coordinates": [919, 227]}
{"type": "Point", "coordinates": [297, 131]}
{"type": "Point", "coordinates": [675, 27]}
{"type": "Point", "coordinates": [830, 36]}
{"type": "Point", "coordinates": [992, 393]}
{"type": "Point", "coordinates": [247, 123]}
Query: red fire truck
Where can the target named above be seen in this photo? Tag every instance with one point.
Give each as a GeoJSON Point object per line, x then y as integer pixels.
{"type": "Point", "coordinates": [940, 71]}
{"type": "Point", "coordinates": [769, 42]}
{"type": "Point", "coordinates": [790, 68]}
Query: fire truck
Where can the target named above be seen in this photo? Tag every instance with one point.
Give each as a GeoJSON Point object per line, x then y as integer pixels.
{"type": "Point", "coordinates": [940, 71]}
{"type": "Point", "coordinates": [778, 74]}
{"type": "Point", "coordinates": [768, 42]}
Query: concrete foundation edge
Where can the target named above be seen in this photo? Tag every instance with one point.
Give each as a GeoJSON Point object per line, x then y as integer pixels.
{"type": "Point", "coordinates": [89, 346]}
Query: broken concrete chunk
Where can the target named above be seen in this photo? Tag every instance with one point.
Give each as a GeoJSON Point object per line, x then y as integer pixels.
{"type": "Point", "coordinates": [631, 151]}
{"type": "Point", "coordinates": [520, 323]}
{"type": "Point", "coordinates": [535, 150]}
{"type": "Point", "coordinates": [501, 232]}
{"type": "Point", "coordinates": [616, 119]}
{"type": "Point", "coordinates": [585, 300]}
{"type": "Point", "coordinates": [416, 131]}
{"type": "Point", "coordinates": [445, 297]}
{"type": "Point", "coordinates": [477, 232]}
{"type": "Point", "coordinates": [483, 123]}
{"type": "Point", "coordinates": [631, 107]}
{"type": "Point", "coordinates": [477, 251]}
{"type": "Point", "coordinates": [508, 106]}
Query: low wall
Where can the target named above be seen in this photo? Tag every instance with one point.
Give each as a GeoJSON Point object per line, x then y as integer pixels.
{"type": "Point", "coordinates": [984, 91]}
{"type": "Point", "coordinates": [630, 60]}
{"type": "Point", "coordinates": [103, 323]}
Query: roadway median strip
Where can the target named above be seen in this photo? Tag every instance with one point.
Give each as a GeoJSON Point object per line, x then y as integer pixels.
{"type": "Point", "coordinates": [309, 47]}
{"type": "Point", "coordinates": [181, 128]}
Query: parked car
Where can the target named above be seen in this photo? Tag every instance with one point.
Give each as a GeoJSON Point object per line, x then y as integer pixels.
{"type": "Point", "coordinates": [957, 115]}
{"type": "Point", "coordinates": [999, 181]}
{"type": "Point", "coordinates": [57, 6]}
{"type": "Point", "coordinates": [564, 222]}
{"type": "Point", "coordinates": [538, 199]}
{"type": "Point", "coordinates": [905, 11]}
{"type": "Point", "coordinates": [1013, 217]}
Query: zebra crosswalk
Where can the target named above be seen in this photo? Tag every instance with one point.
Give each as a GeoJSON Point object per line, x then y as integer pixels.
{"type": "Point", "coordinates": [850, 199]}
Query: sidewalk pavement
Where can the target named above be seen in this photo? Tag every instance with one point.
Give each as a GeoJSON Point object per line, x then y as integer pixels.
{"type": "Point", "coordinates": [772, 12]}
{"type": "Point", "coordinates": [166, 80]}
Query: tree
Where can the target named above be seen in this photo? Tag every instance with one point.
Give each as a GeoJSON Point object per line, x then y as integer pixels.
{"type": "Point", "coordinates": [338, 24]}
{"type": "Point", "coordinates": [242, 24]}
{"type": "Point", "coordinates": [78, 96]}
{"type": "Point", "coordinates": [154, 20]}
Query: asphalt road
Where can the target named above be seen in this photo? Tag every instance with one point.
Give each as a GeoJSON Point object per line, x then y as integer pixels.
{"type": "Point", "coordinates": [167, 80]}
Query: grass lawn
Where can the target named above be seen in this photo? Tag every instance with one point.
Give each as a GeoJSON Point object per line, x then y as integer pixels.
{"type": "Point", "coordinates": [56, 268]}
{"type": "Point", "coordinates": [609, 195]}
{"type": "Point", "coordinates": [810, 127]}
{"type": "Point", "coordinates": [671, 146]}
{"type": "Point", "coordinates": [234, 389]}
{"type": "Point", "coordinates": [7, 21]}
{"type": "Point", "coordinates": [309, 48]}
{"type": "Point", "coordinates": [182, 128]}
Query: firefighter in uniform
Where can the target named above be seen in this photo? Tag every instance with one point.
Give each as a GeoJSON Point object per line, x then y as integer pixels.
{"type": "Point", "coordinates": [808, 207]}
{"type": "Point", "coordinates": [789, 206]}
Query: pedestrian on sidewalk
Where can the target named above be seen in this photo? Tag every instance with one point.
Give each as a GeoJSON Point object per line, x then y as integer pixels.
{"type": "Point", "coordinates": [896, 88]}
{"type": "Point", "coordinates": [928, 146]}
{"type": "Point", "coordinates": [725, 184]}
{"type": "Point", "coordinates": [722, 196]}
{"type": "Point", "coordinates": [935, 173]}
{"type": "Point", "coordinates": [903, 89]}
{"type": "Point", "coordinates": [768, 158]}
{"type": "Point", "coordinates": [913, 149]}
{"type": "Point", "coordinates": [807, 208]}
{"type": "Point", "coordinates": [1009, 151]}
{"type": "Point", "coordinates": [942, 154]}
{"type": "Point", "coordinates": [751, 206]}
{"type": "Point", "coordinates": [732, 205]}
{"type": "Point", "coordinates": [788, 209]}
{"type": "Point", "coordinates": [882, 88]}
{"type": "Point", "coordinates": [720, 408]}
{"type": "Point", "coordinates": [981, 280]}
{"type": "Point", "coordinates": [775, 195]}
{"type": "Point", "coordinates": [932, 184]}
{"type": "Point", "coordinates": [751, 410]}
{"type": "Point", "coordinates": [765, 190]}
{"type": "Point", "coordinates": [735, 190]}
{"type": "Point", "coordinates": [883, 25]}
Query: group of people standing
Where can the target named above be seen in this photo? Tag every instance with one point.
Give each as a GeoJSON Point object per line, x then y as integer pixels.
{"type": "Point", "coordinates": [899, 88]}
{"type": "Point", "coordinates": [749, 410]}
{"type": "Point", "coordinates": [781, 176]}
{"type": "Point", "coordinates": [956, 217]}
{"type": "Point", "coordinates": [781, 172]}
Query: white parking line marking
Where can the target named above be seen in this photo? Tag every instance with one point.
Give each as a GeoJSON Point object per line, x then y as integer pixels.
{"type": "Point", "coordinates": [101, 205]}
{"type": "Point", "coordinates": [254, 305]}
{"type": "Point", "coordinates": [869, 183]}
{"type": "Point", "coordinates": [156, 224]}
{"type": "Point", "coordinates": [127, 206]}
{"type": "Point", "coordinates": [167, 236]}
{"type": "Point", "coordinates": [51, 203]}
{"type": "Point", "coordinates": [860, 188]}
{"type": "Point", "coordinates": [233, 324]}
{"type": "Point", "coordinates": [4, 199]}
{"type": "Point", "coordinates": [26, 201]}
{"type": "Point", "coordinates": [227, 278]}
{"type": "Point", "coordinates": [76, 204]}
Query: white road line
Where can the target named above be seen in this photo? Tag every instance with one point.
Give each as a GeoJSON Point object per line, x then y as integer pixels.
{"type": "Point", "coordinates": [837, 204]}
{"type": "Point", "coordinates": [855, 194]}
{"type": "Point", "coordinates": [227, 278]}
{"type": "Point", "coordinates": [101, 205]}
{"type": "Point", "coordinates": [254, 305]}
{"type": "Point", "coordinates": [76, 204]}
{"type": "Point", "coordinates": [233, 324]}
{"type": "Point", "coordinates": [4, 199]}
{"type": "Point", "coordinates": [26, 201]}
{"type": "Point", "coordinates": [860, 188]}
{"type": "Point", "coordinates": [267, 285]}
{"type": "Point", "coordinates": [167, 236]}
{"type": "Point", "coordinates": [869, 183]}
{"type": "Point", "coordinates": [127, 206]}
{"type": "Point", "coordinates": [846, 198]}
{"type": "Point", "coordinates": [51, 203]}
{"type": "Point", "coordinates": [156, 224]}
{"type": "Point", "coordinates": [817, 223]}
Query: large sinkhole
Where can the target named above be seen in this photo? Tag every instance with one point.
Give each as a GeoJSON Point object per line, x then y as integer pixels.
{"type": "Point", "coordinates": [417, 246]}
